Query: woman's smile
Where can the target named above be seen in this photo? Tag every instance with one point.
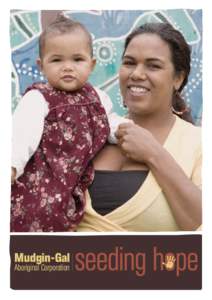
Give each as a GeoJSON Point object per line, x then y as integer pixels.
{"type": "Point", "coordinates": [138, 90]}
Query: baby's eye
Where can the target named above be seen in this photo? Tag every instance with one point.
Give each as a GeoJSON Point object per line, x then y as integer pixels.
{"type": "Point", "coordinates": [79, 59]}
{"type": "Point", "coordinates": [55, 60]}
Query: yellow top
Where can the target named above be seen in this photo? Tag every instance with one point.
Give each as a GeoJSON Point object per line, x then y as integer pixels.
{"type": "Point", "coordinates": [148, 209]}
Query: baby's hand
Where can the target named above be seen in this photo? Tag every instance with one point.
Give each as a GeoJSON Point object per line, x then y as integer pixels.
{"type": "Point", "coordinates": [115, 121]}
{"type": "Point", "coordinates": [13, 174]}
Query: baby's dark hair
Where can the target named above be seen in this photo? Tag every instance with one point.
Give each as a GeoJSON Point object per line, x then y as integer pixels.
{"type": "Point", "coordinates": [62, 25]}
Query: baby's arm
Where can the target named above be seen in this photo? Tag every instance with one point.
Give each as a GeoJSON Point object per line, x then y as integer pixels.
{"type": "Point", "coordinates": [114, 119]}
{"type": "Point", "coordinates": [13, 174]}
{"type": "Point", "coordinates": [27, 129]}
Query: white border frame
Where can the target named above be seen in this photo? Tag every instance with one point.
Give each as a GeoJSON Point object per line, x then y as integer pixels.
{"type": "Point", "coordinates": [5, 154]}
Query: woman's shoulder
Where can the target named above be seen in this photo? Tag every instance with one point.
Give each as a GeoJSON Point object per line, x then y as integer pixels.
{"type": "Point", "coordinates": [189, 135]}
{"type": "Point", "coordinates": [189, 127]}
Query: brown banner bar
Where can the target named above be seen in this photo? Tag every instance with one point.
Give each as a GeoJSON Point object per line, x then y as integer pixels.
{"type": "Point", "coordinates": [106, 262]}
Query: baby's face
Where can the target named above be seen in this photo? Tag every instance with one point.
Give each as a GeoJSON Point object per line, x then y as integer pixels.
{"type": "Point", "coordinates": [67, 61]}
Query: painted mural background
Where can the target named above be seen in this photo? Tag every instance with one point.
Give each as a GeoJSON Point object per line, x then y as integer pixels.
{"type": "Point", "coordinates": [109, 30]}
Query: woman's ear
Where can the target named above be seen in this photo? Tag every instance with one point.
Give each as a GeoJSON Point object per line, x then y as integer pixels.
{"type": "Point", "coordinates": [179, 80]}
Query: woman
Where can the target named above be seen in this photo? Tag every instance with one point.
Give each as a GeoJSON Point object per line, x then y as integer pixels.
{"type": "Point", "coordinates": [151, 180]}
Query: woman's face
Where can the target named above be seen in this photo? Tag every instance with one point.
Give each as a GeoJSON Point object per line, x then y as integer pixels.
{"type": "Point", "coordinates": [147, 76]}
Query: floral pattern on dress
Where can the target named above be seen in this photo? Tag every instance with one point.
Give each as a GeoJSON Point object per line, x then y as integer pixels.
{"type": "Point", "coordinates": [49, 196]}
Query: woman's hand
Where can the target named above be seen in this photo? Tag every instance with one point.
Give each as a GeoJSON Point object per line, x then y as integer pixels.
{"type": "Point", "coordinates": [137, 143]}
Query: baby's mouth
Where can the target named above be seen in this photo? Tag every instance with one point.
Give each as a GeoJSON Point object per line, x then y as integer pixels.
{"type": "Point", "coordinates": [68, 78]}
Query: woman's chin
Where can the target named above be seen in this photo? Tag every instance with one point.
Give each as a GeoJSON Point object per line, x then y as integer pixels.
{"type": "Point", "coordinates": [137, 109]}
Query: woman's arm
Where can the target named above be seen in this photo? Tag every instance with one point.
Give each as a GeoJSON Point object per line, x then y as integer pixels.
{"type": "Point", "coordinates": [183, 196]}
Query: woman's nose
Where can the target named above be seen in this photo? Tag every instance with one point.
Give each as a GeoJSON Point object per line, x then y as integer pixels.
{"type": "Point", "coordinates": [138, 73]}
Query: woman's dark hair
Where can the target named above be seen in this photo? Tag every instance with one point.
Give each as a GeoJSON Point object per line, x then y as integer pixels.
{"type": "Point", "coordinates": [180, 55]}
{"type": "Point", "coordinates": [62, 25]}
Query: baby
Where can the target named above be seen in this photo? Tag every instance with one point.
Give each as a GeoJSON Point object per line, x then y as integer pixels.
{"type": "Point", "coordinates": [58, 128]}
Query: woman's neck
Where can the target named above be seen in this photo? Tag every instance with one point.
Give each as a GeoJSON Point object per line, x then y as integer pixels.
{"type": "Point", "coordinates": [151, 121]}
{"type": "Point", "coordinates": [159, 125]}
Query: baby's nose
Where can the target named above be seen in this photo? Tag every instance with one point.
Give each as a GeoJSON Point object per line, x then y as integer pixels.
{"type": "Point", "coordinates": [67, 66]}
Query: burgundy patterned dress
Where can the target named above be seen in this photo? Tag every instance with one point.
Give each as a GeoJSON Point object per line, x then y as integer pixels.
{"type": "Point", "coordinates": [49, 196]}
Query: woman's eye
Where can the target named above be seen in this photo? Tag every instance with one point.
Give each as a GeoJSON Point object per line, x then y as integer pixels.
{"type": "Point", "coordinates": [128, 62]}
{"type": "Point", "coordinates": [153, 66]}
